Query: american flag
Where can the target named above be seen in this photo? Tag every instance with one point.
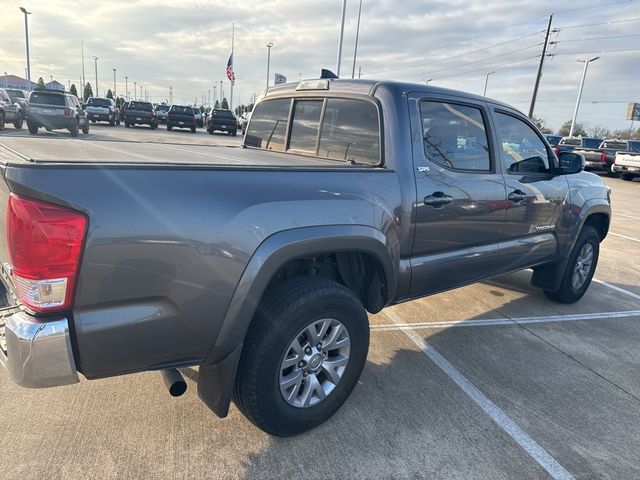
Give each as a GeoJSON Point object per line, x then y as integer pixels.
{"type": "Point", "coordinates": [230, 75]}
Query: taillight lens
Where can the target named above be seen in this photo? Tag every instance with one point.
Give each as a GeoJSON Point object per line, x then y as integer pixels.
{"type": "Point", "coordinates": [603, 157]}
{"type": "Point", "coordinates": [556, 150]}
{"type": "Point", "coordinates": [44, 243]}
{"type": "Point", "coordinates": [68, 112]}
{"type": "Point", "coordinates": [110, 110]}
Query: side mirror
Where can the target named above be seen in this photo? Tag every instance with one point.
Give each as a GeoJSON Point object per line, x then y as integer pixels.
{"type": "Point", "coordinates": [570, 163]}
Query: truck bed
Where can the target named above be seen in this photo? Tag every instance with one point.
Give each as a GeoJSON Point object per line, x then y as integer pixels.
{"type": "Point", "coordinates": [59, 150]}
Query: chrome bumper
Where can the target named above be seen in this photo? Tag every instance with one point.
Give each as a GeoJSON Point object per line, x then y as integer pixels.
{"type": "Point", "coordinates": [36, 354]}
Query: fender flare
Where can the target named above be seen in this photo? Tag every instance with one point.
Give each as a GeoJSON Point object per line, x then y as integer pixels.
{"type": "Point", "coordinates": [217, 372]}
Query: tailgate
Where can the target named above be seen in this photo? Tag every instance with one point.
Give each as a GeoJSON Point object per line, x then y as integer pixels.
{"type": "Point", "coordinates": [628, 159]}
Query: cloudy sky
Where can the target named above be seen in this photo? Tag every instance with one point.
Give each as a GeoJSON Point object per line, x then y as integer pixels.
{"type": "Point", "coordinates": [185, 44]}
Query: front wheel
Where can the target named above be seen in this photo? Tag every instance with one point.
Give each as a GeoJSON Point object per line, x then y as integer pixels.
{"type": "Point", "coordinates": [126, 124]}
{"type": "Point", "coordinates": [302, 356]}
{"type": "Point", "coordinates": [74, 128]}
{"type": "Point", "coordinates": [85, 129]}
{"type": "Point", "coordinates": [169, 127]}
{"type": "Point", "coordinates": [18, 123]}
{"type": "Point", "coordinates": [193, 129]}
{"type": "Point", "coordinates": [33, 129]}
{"type": "Point", "coordinates": [580, 268]}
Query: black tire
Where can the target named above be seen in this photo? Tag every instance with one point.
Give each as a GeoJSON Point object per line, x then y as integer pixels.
{"type": "Point", "coordinates": [153, 126]}
{"type": "Point", "coordinates": [234, 133]}
{"type": "Point", "coordinates": [210, 132]}
{"type": "Point", "coordinates": [627, 176]}
{"type": "Point", "coordinates": [169, 127]}
{"type": "Point", "coordinates": [567, 293]}
{"type": "Point", "coordinates": [33, 129]}
{"type": "Point", "coordinates": [118, 122]}
{"type": "Point", "coordinates": [193, 129]}
{"type": "Point", "coordinates": [112, 123]}
{"type": "Point", "coordinates": [284, 312]}
{"type": "Point", "coordinates": [1, 120]}
{"type": "Point", "coordinates": [18, 123]}
{"type": "Point", "coordinates": [85, 129]}
{"type": "Point", "coordinates": [74, 129]}
{"type": "Point", "coordinates": [126, 124]}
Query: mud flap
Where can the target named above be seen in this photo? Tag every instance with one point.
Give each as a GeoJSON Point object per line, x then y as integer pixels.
{"type": "Point", "coordinates": [215, 382]}
{"type": "Point", "coordinates": [548, 277]}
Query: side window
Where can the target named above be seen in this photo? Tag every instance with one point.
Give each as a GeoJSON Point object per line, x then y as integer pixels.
{"type": "Point", "coordinates": [455, 136]}
{"type": "Point", "coordinates": [268, 126]}
{"type": "Point", "coordinates": [523, 151]}
{"type": "Point", "coordinates": [305, 124]}
{"type": "Point", "coordinates": [350, 131]}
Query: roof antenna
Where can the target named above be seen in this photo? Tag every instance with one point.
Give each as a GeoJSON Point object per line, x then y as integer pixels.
{"type": "Point", "coordinates": [324, 73]}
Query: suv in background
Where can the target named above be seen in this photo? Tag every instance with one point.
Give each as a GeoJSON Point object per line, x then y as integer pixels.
{"type": "Point", "coordinates": [140, 113]}
{"type": "Point", "coordinates": [55, 110]}
{"type": "Point", "coordinates": [103, 110]}
{"type": "Point", "coordinates": [180, 116]}
{"type": "Point", "coordinates": [199, 118]}
{"type": "Point", "coordinates": [10, 110]}
{"type": "Point", "coordinates": [224, 121]}
{"type": "Point", "coordinates": [161, 113]}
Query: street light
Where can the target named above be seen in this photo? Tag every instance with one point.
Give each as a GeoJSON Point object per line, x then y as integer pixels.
{"type": "Point", "coordinates": [114, 84]}
{"type": "Point", "coordinates": [26, 34]}
{"type": "Point", "coordinates": [95, 60]}
{"type": "Point", "coordinates": [486, 81]}
{"type": "Point", "coordinates": [134, 90]}
{"type": "Point", "coordinates": [6, 80]}
{"type": "Point", "coordinates": [126, 88]}
{"type": "Point", "coordinates": [584, 74]}
{"type": "Point", "coordinates": [269, 45]}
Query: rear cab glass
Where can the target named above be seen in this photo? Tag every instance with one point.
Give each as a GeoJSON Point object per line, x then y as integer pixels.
{"type": "Point", "coordinates": [591, 142]}
{"type": "Point", "coordinates": [99, 102]}
{"type": "Point", "coordinates": [46, 98]}
{"type": "Point", "coordinates": [331, 128]}
{"type": "Point", "coordinates": [181, 110]}
{"type": "Point", "coordinates": [614, 145]}
{"type": "Point", "coordinates": [145, 106]}
{"type": "Point", "coordinates": [571, 141]}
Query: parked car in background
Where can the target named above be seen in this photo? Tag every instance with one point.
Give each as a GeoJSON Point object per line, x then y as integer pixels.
{"type": "Point", "coordinates": [180, 116]}
{"type": "Point", "coordinates": [10, 110]}
{"type": "Point", "coordinates": [223, 121]}
{"type": "Point", "coordinates": [568, 144]}
{"type": "Point", "coordinates": [601, 158]}
{"type": "Point", "coordinates": [199, 117]}
{"type": "Point", "coordinates": [103, 110]}
{"type": "Point", "coordinates": [553, 139]}
{"type": "Point", "coordinates": [140, 113]}
{"type": "Point", "coordinates": [260, 267]}
{"type": "Point", "coordinates": [627, 162]}
{"type": "Point", "coordinates": [55, 110]}
{"type": "Point", "coordinates": [161, 113]}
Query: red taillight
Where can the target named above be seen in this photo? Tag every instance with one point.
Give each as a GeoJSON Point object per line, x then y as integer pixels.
{"type": "Point", "coordinates": [556, 150]}
{"type": "Point", "coordinates": [44, 244]}
{"type": "Point", "coordinates": [68, 112]}
{"type": "Point", "coordinates": [110, 110]}
{"type": "Point", "coordinates": [603, 157]}
{"type": "Point", "coordinates": [27, 108]}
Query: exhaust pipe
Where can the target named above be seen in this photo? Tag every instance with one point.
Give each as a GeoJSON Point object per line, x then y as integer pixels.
{"type": "Point", "coordinates": [174, 381]}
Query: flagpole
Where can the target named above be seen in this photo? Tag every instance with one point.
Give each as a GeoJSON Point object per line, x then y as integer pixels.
{"type": "Point", "coordinates": [233, 32]}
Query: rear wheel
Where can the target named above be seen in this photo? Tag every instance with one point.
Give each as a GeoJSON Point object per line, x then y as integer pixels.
{"type": "Point", "coordinates": [118, 122]}
{"type": "Point", "coordinates": [302, 356]}
{"type": "Point", "coordinates": [1, 120]}
{"type": "Point", "coordinates": [33, 129]}
{"type": "Point", "coordinates": [153, 126]}
{"type": "Point", "coordinates": [193, 129]}
{"type": "Point", "coordinates": [85, 129]}
{"type": "Point", "coordinates": [627, 176]}
{"type": "Point", "coordinates": [126, 124]}
{"type": "Point", "coordinates": [74, 129]}
{"type": "Point", "coordinates": [18, 123]}
{"type": "Point", "coordinates": [580, 268]}
{"type": "Point", "coordinates": [112, 123]}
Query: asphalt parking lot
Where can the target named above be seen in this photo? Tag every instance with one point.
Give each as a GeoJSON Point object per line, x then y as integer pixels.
{"type": "Point", "coordinates": [487, 381]}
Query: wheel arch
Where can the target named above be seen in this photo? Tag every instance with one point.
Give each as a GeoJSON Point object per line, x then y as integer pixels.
{"type": "Point", "coordinates": [217, 373]}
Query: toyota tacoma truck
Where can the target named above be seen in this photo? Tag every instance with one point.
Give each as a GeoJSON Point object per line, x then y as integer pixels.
{"type": "Point", "coordinates": [103, 110]}
{"type": "Point", "coordinates": [180, 116]}
{"type": "Point", "coordinates": [627, 163]}
{"type": "Point", "coordinates": [259, 266]}
{"type": "Point", "coordinates": [602, 158]}
{"type": "Point", "coordinates": [140, 113]}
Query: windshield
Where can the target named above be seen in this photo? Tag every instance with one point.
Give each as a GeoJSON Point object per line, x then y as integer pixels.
{"type": "Point", "coordinates": [99, 102]}
{"type": "Point", "coordinates": [145, 106]}
{"type": "Point", "coordinates": [47, 98]}
{"type": "Point", "coordinates": [162, 108]}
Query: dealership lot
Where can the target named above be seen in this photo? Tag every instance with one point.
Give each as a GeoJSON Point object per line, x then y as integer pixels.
{"type": "Point", "coordinates": [491, 380]}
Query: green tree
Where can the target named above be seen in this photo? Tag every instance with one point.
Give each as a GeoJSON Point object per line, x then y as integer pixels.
{"type": "Point", "coordinates": [41, 85]}
{"type": "Point", "coordinates": [225, 104]}
{"type": "Point", "coordinates": [201, 108]}
{"type": "Point", "coordinates": [88, 92]}
{"type": "Point", "coordinates": [250, 107]}
{"type": "Point", "coordinates": [109, 94]}
{"type": "Point", "coordinates": [580, 129]}
{"type": "Point", "coordinates": [120, 101]}
{"type": "Point", "coordinates": [73, 90]}
{"type": "Point", "coordinates": [217, 104]}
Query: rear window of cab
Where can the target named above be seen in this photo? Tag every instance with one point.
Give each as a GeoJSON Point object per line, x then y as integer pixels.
{"type": "Point", "coordinates": [332, 128]}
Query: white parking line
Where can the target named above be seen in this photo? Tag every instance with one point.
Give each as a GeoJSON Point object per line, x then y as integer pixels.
{"type": "Point", "coordinates": [617, 289]}
{"type": "Point", "coordinates": [486, 322]}
{"type": "Point", "coordinates": [624, 236]}
{"type": "Point", "coordinates": [616, 214]}
{"type": "Point", "coordinates": [528, 444]}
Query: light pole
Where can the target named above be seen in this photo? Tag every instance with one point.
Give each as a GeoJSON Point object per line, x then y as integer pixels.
{"type": "Point", "coordinates": [269, 45]}
{"type": "Point", "coordinates": [486, 81]}
{"type": "Point", "coordinates": [355, 51]}
{"type": "Point", "coordinates": [427, 82]}
{"type": "Point", "coordinates": [584, 74]}
{"type": "Point", "coordinates": [6, 80]}
{"type": "Point", "coordinates": [344, 12]}
{"type": "Point", "coordinates": [114, 84]}
{"type": "Point", "coordinates": [26, 34]}
{"type": "Point", "coordinates": [134, 90]}
{"type": "Point", "coordinates": [95, 60]}
{"type": "Point", "coordinates": [126, 88]}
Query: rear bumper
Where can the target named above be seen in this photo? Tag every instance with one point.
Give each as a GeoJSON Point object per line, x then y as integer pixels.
{"type": "Point", "coordinates": [184, 124]}
{"type": "Point", "coordinates": [100, 117]}
{"type": "Point", "coordinates": [50, 121]}
{"type": "Point", "coordinates": [222, 127]}
{"type": "Point", "coordinates": [36, 354]}
{"type": "Point", "coordinates": [626, 169]}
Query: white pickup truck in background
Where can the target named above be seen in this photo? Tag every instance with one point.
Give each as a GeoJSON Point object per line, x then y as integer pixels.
{"type": "Point", "coordinates": [627, 164]}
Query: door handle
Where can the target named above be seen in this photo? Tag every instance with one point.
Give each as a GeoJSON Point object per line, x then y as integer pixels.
{"type": "Point", "coordinates": [438, 200]}
{"type": "Point", "coordinates": [517, 196]}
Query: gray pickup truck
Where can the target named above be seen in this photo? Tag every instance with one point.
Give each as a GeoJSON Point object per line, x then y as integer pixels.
{"type": "Point", "coordinates": [260, 265]}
